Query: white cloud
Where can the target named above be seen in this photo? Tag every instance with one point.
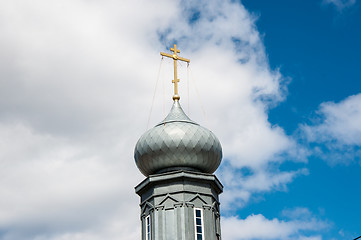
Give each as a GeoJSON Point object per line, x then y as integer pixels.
{"type": "Point", "coordinates": [240, 186]}
{"type": "Point", "coordinates": [340, 4]}
{"type": "Point", "coordinates": [259, 227]}
{"type": "Point", "coordinates": [53, 185]}
{"type": "Point", "coordinates": [337, 134]}
{"type": "Point", "coordinates": [76, 83]}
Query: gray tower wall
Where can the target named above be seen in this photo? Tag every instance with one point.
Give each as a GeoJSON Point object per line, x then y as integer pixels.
{"type": "Point", "coordinates": [170, 199]}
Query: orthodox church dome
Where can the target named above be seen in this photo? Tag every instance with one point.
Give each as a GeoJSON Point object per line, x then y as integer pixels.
{"type": "Point", "coordinates": [177, 143]}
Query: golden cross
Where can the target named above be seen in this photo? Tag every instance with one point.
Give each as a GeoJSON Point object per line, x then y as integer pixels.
{"type": "Point", "coordinates": [175, 58]}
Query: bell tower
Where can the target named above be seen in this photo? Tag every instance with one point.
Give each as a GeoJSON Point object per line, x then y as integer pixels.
{"type": "Point", "coordinates": [179, 197]}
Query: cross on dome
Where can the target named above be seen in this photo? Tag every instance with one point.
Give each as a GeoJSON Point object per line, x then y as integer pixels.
{"type": "Point", "coordinates": [175, 58]}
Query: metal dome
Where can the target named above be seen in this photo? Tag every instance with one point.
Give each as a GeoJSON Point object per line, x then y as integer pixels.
{"type": "Point", "coordinates": [177, 143]}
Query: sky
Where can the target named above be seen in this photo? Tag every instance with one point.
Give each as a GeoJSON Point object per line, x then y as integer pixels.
{"type": "Point", "coordinates": [278, 82]}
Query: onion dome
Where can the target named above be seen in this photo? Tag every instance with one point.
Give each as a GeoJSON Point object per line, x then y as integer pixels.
{"type": "Point", "coordinates": [177, 143]}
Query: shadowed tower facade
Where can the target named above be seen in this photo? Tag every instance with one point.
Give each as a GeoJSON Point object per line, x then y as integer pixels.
{"type": "Point", "coordinates": [179, 197]}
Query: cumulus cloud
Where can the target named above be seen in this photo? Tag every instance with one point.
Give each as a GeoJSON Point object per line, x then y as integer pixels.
{"type": "Point", "coordinates": [340, 4]}
{"type": "Point", "coordinates": [76, 86]}
{"type": "Point", "coordinates": [336, 133]}
{"type": "Point", "coordinates": [301, 226]}
{"type": "Point", "coordinates": [243, 183]}
{"type": "Point", "coordinates": [53, 185]}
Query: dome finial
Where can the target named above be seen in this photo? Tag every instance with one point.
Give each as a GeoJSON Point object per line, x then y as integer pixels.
{"type": "Point", "coordinates": [175, 57]}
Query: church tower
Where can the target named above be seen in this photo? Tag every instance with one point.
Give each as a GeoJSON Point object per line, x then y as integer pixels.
{"type": "Point", "coordinates": [179, 197]}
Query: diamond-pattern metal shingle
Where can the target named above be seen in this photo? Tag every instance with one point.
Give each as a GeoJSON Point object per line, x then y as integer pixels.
{"type": "Point", "coordinates": [177, 143]}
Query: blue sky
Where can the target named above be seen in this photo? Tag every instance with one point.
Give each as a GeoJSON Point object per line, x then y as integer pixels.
{"type": "Point", "coordinates": [278, 82]}
{"type": "Point", "coordinates": [317, 45]}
